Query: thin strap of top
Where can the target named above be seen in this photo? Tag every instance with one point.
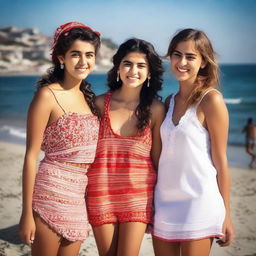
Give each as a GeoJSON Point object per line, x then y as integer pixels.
{"type": "Point", "coordinates": [212, 89]}
{"type": "Point", "coordinates": [107, 103]}
{"type": "Point", "coordinates": [56, 99]}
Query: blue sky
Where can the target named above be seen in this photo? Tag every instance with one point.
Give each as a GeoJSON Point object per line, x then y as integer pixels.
{"type": "Point", "coordinates": [230, 24]}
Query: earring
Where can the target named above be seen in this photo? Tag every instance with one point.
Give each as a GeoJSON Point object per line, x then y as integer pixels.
{"type": "Point", "coordinates": [117, 78]}
{"type": "Point", "coordinates": [148, 84]}
{"type": "Point", "coordinates": [61, 66]}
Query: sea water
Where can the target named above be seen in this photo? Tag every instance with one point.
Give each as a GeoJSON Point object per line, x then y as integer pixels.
{"type": "Point", "coordinates": [238, 85]}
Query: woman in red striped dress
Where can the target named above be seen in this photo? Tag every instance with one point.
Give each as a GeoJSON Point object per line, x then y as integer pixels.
{"type": "Point", "coordinates": [122, 178]}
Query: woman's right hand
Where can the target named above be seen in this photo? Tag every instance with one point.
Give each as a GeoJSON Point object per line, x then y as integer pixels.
{"type": "Point", "coordinates": [27, 229]}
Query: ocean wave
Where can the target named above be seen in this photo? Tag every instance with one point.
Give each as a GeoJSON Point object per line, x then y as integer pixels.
{"type": "Point", "coordinates": [13, 131]}
{"type": "Point", "coordinates": [233, 101]}
{"type": "Point", "coordinates": [246, 101]}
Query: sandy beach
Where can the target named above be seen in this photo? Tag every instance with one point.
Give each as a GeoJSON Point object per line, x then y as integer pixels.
{"type": "Point", "coordinates": [243, 207]}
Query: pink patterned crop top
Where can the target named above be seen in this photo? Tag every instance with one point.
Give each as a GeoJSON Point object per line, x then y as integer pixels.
{"type": "Point", "coordinates": [72, 138]}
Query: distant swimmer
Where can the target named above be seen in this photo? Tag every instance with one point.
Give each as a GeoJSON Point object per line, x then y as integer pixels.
{"type": "Point", "coordinates": [250, 139]}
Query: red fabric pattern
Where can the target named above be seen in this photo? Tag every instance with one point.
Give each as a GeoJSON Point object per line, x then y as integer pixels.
{"type": "Point", "coordinates": [72, 138]}
{"type": "Point", "coordinates": [122, 178]}
{"type": "Point", "coordinates": [68, 26]}
{"type": "Point", "coordinates": [59, 191]}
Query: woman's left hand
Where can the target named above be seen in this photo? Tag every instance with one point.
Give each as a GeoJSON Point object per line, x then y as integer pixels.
{"type": "Point", "coordinates": [228, 231]}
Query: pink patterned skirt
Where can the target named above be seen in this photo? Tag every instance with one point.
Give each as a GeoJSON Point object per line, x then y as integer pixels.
{"type": "Point", "coordinates": [59, 199]}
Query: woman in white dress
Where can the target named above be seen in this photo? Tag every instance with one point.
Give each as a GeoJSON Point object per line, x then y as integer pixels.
{"type": "Point", "coordinates": [192, 191]}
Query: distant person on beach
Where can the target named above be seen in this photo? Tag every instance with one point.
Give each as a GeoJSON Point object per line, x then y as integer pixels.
{"type": "Point", "coordinates": [122, 178]}
{"type": "Point", "coordinates": [250, 139]}
{"type": "Point", "coordinates": [192, 195]}
{"type": "Point", "coordinates": [63, 122]}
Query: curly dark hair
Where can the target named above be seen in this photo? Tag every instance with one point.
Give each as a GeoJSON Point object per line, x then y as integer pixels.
{"type": "Point", "coordinates": [56, 74]}
{"type": "Point", "coordinates": [156, 70]}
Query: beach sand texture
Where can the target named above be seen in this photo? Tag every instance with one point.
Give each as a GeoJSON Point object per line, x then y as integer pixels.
{"type": "Point", "coordinates": [243, 207]}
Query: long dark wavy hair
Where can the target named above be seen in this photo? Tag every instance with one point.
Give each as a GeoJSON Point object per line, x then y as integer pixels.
{"type": "Point", "coordinates": [209, 75]}
{"type": "Point", "coordinates": [156, 70]}
{"type": "Point", "coordinates": [56, 74]}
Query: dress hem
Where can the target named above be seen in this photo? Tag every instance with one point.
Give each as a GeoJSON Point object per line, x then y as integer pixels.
{"type": "Point", "coordinates": [186, 239]}
{"type": "Point", "coordinates": [118, 221]}
{"type": "Point", "coordinates": [59, 233]}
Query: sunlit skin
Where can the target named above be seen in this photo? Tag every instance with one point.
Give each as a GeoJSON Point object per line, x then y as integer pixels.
{"type": "Point", "coordinates": [78, 62]}
{"type": "Point", "coordinates": [186, 62]}
{"type": "Point", "coordinates": [134, 70]}
{"type": "Point", "coordinates": [212, 114]}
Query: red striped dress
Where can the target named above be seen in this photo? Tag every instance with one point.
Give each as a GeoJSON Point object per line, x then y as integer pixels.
{"type": "Point", "coordinates": [122, 178]}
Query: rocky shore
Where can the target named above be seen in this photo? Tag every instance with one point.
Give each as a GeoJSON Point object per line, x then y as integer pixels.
{"type": "Point", "coordinates": [27, 52]}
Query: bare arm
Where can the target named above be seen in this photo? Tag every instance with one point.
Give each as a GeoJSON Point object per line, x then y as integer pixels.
{"type": "Point", "coordinates": [100, 103]}
{"type": "Point", "coordinates": [38, 116]}
{"type": "Point", "coordinates": [216, 117]}
{"type": "Point", "coordinates": [158, 115]}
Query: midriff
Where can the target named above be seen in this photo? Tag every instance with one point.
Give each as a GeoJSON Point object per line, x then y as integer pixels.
{"type": "Point", "coordinates": [80, 165]}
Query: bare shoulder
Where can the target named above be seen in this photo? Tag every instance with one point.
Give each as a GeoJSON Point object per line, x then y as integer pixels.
{"type": "Point", "coordinates": [157, 106]}
{"type": "Point", "coordinates": [44, 94]}
{"type": "Point", "coordinates": [42, 103]}
{"type": "Point", "coordinates": [54, 86]}
{"type": "Point", "coordinates": [212, 100]}
{"type": "Point", "coordinates": [214, 109]}
{"type": "Point", "coordinates": [157, 111]}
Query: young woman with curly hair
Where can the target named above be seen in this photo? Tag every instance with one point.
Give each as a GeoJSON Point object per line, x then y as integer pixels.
{"type": "Point", "coordinates": [122, 177]}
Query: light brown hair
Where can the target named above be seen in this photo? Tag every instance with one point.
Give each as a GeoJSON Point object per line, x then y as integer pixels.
{"type": "Point", "coordinates": [209, 75]}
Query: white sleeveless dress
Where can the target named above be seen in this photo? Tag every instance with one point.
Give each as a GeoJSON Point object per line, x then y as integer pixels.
{"type": "Point", "coordinates": [188, 204]}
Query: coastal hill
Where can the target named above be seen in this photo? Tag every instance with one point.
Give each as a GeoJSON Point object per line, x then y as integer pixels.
{"type": "Point", "coordinates": [27, 51]}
